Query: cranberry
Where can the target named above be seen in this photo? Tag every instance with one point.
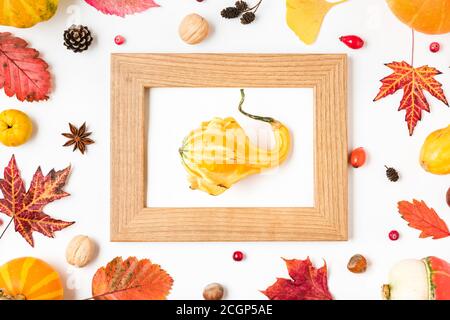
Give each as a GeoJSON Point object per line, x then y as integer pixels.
{"type": "Point", "coordinates": [435, 47]}
{"type": "Point", "coordinates": [238, 256]}
{"type": "Point", "coordinates": [394, 235]}
{"type": "Point", "coordinates": [119, 40]}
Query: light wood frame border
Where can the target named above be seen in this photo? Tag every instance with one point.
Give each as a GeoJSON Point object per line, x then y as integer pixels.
{"type": "Point", "coordinates": [131, 77]}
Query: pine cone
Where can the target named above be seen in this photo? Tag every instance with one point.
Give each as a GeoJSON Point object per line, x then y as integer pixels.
{"type": "Point", "coordinates": [77, 38]}
{"type": "Point", "coordinates": [230, 13]}
{"type": "Point", "coordinates": [241, 5]}
{"type": "Point", "coordinates": [248, 18]}
{"type": "Point", "coordinates": [392, 174]}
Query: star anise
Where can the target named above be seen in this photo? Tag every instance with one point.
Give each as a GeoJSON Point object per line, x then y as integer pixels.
{"type": "Point", "coordinates": [78, 138]}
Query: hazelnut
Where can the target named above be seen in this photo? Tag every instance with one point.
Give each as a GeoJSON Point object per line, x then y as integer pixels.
{"type": "Point", "coordinates": [357, 264]}
{"type": "Point", "coordinates": [213, 291]}
{"type": "Point", "coordinates": [79, 251]}
{"type": "Point", "coordinates": [193, 29]}
{"type": "Point", "coordinates": [448, 197]}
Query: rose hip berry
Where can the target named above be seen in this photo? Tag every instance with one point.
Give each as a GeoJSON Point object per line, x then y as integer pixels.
{"type": "Point", "coordinates": [119, 40]}
{"type": "Point", "coordinates": [238, 256]}
{"type": "Point", "coordinates": [352, 41]}
{"type": "Point", "coordinates": [358, 157]}
{"type": "Point", "coordinates": [435, 47]}
{"type": "Point", "coordinates": [394, 235]}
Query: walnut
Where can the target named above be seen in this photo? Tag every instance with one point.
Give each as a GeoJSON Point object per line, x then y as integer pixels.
{"type": "Point", "coordinates": [80, 251]}
{"type": "Point", "coordinates": [193, 29]}
{"type": "Point", "coordinates": [213, 291]}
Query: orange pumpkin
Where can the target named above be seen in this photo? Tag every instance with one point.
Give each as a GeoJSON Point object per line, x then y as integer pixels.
{"type": "Point", "coordinates": [427, 16]}
{"type": "Point", "coordinates": [32, 278]}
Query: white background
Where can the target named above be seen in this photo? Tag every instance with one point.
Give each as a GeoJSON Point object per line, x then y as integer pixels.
{"type": "Point", "coordinates": [290, 185]}
{"type": "Point", "coordinates": [82, 94]}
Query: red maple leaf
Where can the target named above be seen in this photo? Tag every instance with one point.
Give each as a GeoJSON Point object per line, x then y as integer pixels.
{"type": "Point", "coordinates": [122, 7]}
{"type": "Point", "coordinates": [413, 81]}
{"type": "Point", "coordinates": [308, 283]}
{"type": "Point", "coordinates": [22, 72]}
{"type": "Point", "coordinates": [131, 279]}
{"type": "Point", "coordinates": [425, 219]}
{"type": "Point", "coordinates": [26, 208]}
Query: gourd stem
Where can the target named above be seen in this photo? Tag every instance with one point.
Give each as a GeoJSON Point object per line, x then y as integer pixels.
{"type": "Point", "coordinates": [265, 119]}
{"type": "Point", "coordinates": [386, 292]}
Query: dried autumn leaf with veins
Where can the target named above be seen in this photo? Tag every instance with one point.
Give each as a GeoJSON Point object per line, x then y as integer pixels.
{"type": "Point", "coordinates": [122, 7]}
{"type": "Point", "coordinates": [22, 72]}
{"type": "Point", "coordinates": [131, 279]}
{"type": "Point", "coordinates": [425, 219]}
{"type": "Point", "coordinates": [26, 208]}
{"type": "Point", "coordinates": [413, 81]}
{"type": "Point", "coordinates": [308, 283]}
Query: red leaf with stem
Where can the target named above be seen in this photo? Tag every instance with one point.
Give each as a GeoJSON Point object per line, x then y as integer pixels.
{"type": "Point", "coordinates": [413, 82]}
{"type": "Point", "coordinates": [306, 283]}
{"type": "Point", "coordinates": [26, 207]}
{"type": "Point", "coordinates": [22, 72]}
{"type": "Point", "coordinates": [122, 7]}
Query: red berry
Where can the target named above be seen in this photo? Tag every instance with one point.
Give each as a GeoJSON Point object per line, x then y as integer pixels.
{"type": "Point", "coordinates": [394, 235]}
{"type": "Point", "coordinates": [435, 47]}
{"type": "Point", "coordinates": [1, 222]}
{"type": "Point", "coordinates": [358, 157]}
{"type": "Point", "coordinates": [200, 0]}
{"type": "Point", "coordinates": [238, 256]}
{"type": "Point", "coordinates": [352, 41]}
{"type": "Point", "coordinates": [119, 40]}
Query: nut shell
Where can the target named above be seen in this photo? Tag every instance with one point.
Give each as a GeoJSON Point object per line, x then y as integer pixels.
{"type": "Point", "coordinates": [80, 251]}
{"type": "Point", "coordinates": [448, 197]}
{"type": "Point", "coordinates": [193, 29]}
{"type": "Point", "coordinates": [213, 291]}
{"type": "Point", "coordinates": [357, 264]}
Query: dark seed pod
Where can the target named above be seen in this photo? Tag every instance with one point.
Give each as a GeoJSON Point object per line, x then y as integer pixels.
{"type": "Point", "coordinates": [392, 174]}
{"type": "Point", "coordinates": [230, 13]}
{"type": "Point", "coordinates": [248, 18]}
{"type": "Point", "coordinates": [241, 5]}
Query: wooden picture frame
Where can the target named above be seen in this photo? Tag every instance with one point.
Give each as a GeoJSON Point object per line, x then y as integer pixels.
{"type": "Point", "coordinates": [131, 77]}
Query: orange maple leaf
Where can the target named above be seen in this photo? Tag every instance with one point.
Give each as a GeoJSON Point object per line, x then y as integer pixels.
{"type": "Point", "coordinates": [425, 219]}
{"type": "Point", "coordinates": [131, 279]}
{"type": "Point", "coordinates": [413, 81]}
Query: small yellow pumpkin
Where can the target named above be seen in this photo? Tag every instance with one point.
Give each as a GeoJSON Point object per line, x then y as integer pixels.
{"type": "Point", "coordinates": [435, 153]}
{"type": "Point", "coordinates": [30, 279]}
{"type": "Point", "coordinates": [26, 13]}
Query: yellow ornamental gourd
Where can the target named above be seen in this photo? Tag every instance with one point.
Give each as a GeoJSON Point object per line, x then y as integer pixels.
{"type": "Point", "coordinates": [29, 279]}
{"type": "Point", "coordinates": [435, 153]}
{"type": "Point", "coordinates": [26, 13]}
{"type": "Point", "coordinates": [219, 153]}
